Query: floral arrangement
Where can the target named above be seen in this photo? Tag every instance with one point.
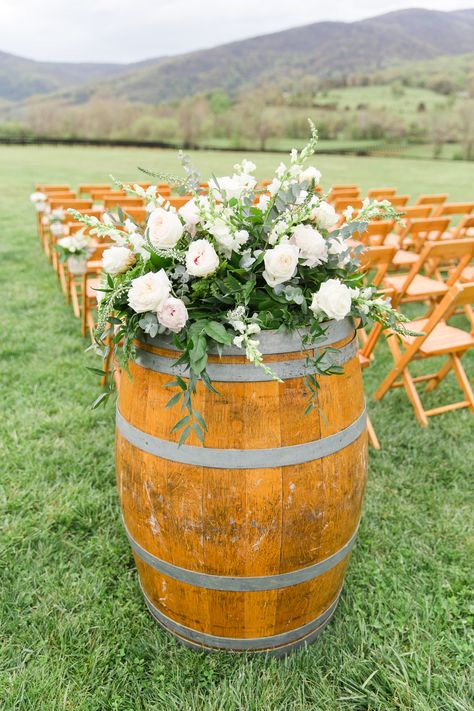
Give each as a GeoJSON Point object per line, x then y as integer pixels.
{"type": "Point", "coordinates": [77, 245]}
{"type": "Point", "coordinates": [232, 263]}
{"type": "Point", "coordinates": [39, 201]}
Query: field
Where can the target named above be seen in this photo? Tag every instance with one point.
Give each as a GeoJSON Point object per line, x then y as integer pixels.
{"type": "Point", "coordinates": [75, 634]}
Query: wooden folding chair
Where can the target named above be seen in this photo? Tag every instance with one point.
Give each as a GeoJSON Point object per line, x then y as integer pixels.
{"type": "Point", "coordinates": [98, 194]}
{"type": "Point", "coordinates": [378, 193]}
{"type": "Point", "coordinates": [437, 199]}
{"type": "Point", "coordinates": [410, 212]}
{"type": "Point", "coordinates": [341, 204]}
{"type": "Point", "coordinates": [86, 293]}
{"type": "Point", "coordinates": [366, 358]}
{"type": "Point", "coordinates": [416, 287]}
{"type": "Point", "coordinates": [341, 193]}
{"type": "Point", "coordinates": [453, 208]}
{"type": "Point", "coordinates": [412, 238]}
{"type": "Point", "coordinates": [178, 202]}
{"type": "Point", "coordinates": [47, 188]}
{"type": "Point", "coordinates": [89, 188]}
{"type": "Point", "coordinates": [377, 259]}
{"type": "Point", "coordinates": [376, 232]}
{"type": "Point", "coordinates": [438, 339]}
{"type": "Point", "coordinates": [123, 202]}
{"type": "Point", "coordinates": [398, 201]}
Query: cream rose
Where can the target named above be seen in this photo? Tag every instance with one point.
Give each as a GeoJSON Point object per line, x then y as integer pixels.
{"type": "Point", "coordinates": [149, 292]}
{"type": "Point", "coordinates": [116, 260]}
{"type": "Point", "coordinates": [333, 298]}
{"type": "Point", "coordinates": [325, 215]}
{"type": "Point", "coordinates": [311, 243]}
{"type": "Point", "coordinates": [280, 263]}
{"type": "Point", "coordinates": [201, 258]}
{"type": "Point", "coordinates": [173, 314]}
{"type": "Point", "coordinates": [164, 228]}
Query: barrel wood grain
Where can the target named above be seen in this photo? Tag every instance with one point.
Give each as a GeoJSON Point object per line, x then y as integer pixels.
{"type": "Point", "coordinates": [244, 524]}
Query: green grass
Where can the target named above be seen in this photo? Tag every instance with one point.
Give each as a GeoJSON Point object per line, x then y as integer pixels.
{"type": "Point", "coordinates": [380, 97]}
{"type": "Point", "coordinates": [75, 634]}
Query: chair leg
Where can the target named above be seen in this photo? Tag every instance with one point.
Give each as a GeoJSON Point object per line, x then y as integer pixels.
{"type": "Point", "coordinates": [374, 442]}
{"type": "Point", "coordinates": [440, 375]}
{"type": "Point", "coordinates": [463, 381]}
{"type": "Point", "coordinates": [469, 311]}
{"type": "Point", "coordinates": [84, 306]}
{"type": "Point", "coordinates": [414, 398]}
{"type": "Point", "coordinates": [394, 373]}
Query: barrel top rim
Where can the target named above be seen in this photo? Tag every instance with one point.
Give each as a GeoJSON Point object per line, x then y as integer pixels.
{"type": "Point", "coordinates": [271, 342]}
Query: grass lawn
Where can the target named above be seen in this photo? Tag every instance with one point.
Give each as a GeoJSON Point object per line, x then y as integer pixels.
{"type": "Point", "coordinates": [75, 633]}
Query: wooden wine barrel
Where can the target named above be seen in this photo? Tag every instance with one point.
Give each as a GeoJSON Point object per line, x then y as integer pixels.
{"type": "Point", "coordinates": [243, 544]}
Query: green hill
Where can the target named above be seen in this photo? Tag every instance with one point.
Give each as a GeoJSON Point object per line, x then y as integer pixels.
{"type": "Point", "coordinates": [323, 49]}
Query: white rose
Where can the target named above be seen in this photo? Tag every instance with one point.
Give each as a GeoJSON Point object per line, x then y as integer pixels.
{"type": "Point", "coordinates": [311, 173]}
{"type": "Point", "coordinates": [325, 215]}
{"type": "Point", "coordinates": [38, 197]}
{"type": "Point", "coordinates": [164, 228]}
{"type": "Point", "coordinates": [338, 247]}
{"type": "Point", "coordinates": [190, 211]}
{"type": "Point", "coordinates": [280, 263]}
{"type": "Point", "coordinates": [117, 260]}
{"type": "Point", "coordinates": [201, 258]}
{"type": "Point", "coordinates": [333, 298]}
{"type": "Point", "coordinates": [149, 292]}
{"type": "Point", "coordinates": [57, 229]}
{"type": "Point", "coordinates": [312, 245]}
{"type": "Point", "coordinates": [173, 314]}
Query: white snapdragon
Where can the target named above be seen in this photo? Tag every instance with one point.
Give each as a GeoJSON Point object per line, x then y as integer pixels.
{"type": "Point", "coordinates": [324, 215]}
{"type": "Point", "coordinates": [278, 229]}
{"type": "Point", "coordinates": [227, 187]}
{"type": "Point", "coordinates": [201, 258]}
{"type": "Point", "coordinates": [280, 263]}
{"type": "Point", "coordinates": [333, 299]}
{"type": "Point", "coordinates": [149, 292]}
{"type": "Point", "coordinates": [262, 203]}
{"type": "Point", "coordinates": [311, 243]}
{"type": "Point", "coordinates": [38, 197]}
{"type": "Point", "coordinates": [164, 228]}
{"type": "Point", "coordinates": [339, 248]}
{"type": "Point", "coordinates": [310, 174]}
{"type": "Point", "coordinates": [138, 245]}
{"type": "Point", "coordinates": [173, 314]}
{"type": "Point", "coordinates": [247, 166]}
{"type": "Point", "coordinates": [117, 260]}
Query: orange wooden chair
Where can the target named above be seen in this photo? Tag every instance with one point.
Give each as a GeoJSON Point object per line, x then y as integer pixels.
{"type": "Point", "coordinates": [335, 195]}
{"type": "Point", "coordinates": [366, 358]}
{"type": "Point", "coordinates": [438, 339]}
{"type": "Point", "coordinates": [123, 202]}
{"type": "Point", "coordinates": [376, 232]}
{"type": "Point", "coordinates": [379, 193]}
{"type": "Point", "coordinates": [89, 188]}
{"type": "Point", "coordinates": [377, 259]}
{"type": "Point", "coordinates": [179, 201]}
{"type": "Point", "coordinates": [415, 286]}
{"type": "Point", "coordinates": [86, 291]}
{"type": "Point", "coordinates": [453, 208]}
{"type": "Point", "coordinates": [411, 212]}
{"type": "Point", "coordinates": [464, 228]}
{"type": "Point", "coordinates": [341, 204]}
{"type": "Point", "coordinates": [396, 200]}
{"type": "Point", "coordinates": [49, 240]}
{"type": "Point", "coordinates": [412, 238]}
{"type": "Point", "coordinates": [98, 194]}
{"type": "Point", "coordinates": [47, 188]}
{"type": "Point", "coordinates": [350, 186]}
{"type": "Point", "coordinates": [431, 199]}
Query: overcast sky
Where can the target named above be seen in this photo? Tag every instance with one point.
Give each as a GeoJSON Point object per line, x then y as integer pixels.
{"type": "Point", "coordinates": [131, 30]}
